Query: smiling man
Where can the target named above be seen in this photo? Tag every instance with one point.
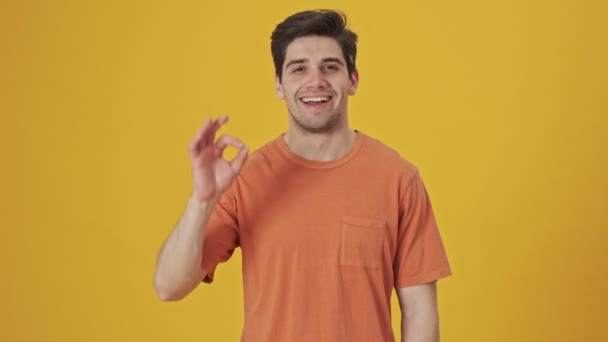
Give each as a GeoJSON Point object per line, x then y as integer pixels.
{"type": "Point", "coordinates": [329, 220]}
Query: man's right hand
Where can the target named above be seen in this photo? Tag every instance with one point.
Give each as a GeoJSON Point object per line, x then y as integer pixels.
{"type": "Point", "coordinates": [211, 173]}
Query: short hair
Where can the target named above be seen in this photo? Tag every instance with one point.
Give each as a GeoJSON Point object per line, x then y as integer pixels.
{"type": "Point", "coordinates": [326, 23]}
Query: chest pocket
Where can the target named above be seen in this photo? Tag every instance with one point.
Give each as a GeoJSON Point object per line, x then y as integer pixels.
{"type": "Point", "coordinates": [361, 242]}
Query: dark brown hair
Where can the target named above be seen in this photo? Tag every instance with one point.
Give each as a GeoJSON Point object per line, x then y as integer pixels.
{"type": "Point", "coordinates": [325, 23]}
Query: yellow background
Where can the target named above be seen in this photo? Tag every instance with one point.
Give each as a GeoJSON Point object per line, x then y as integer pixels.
{"type": "Point", "coordinates": [502, 106]}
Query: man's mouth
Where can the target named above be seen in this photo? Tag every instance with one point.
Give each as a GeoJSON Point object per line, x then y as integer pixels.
{"type": "Point", "coordinates": [315, 100]}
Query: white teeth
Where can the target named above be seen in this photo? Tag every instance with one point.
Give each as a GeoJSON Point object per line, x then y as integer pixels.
{"type": "Point", "coordinates": [316, 99]}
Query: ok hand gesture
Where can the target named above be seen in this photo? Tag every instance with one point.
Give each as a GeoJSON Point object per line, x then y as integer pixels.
{"type": "Point", "coordinates": [211, 173]}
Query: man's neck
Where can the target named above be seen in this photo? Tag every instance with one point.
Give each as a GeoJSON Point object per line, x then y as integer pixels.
{"type": "Point", "coordinates": [320, 146]}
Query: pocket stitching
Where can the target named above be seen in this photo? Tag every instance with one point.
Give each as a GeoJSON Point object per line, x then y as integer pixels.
{"type": "Point", "coordinates": [367, 224]}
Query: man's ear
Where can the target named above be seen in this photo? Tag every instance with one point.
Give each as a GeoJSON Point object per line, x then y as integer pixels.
{"type": "Point", "coordinates": [354, 82]}
{"type": "Point", "coordinates": [279, 88]}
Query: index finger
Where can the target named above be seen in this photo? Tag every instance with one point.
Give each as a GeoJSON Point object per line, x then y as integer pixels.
{"type": "Point", "coordinates": [226, 140]}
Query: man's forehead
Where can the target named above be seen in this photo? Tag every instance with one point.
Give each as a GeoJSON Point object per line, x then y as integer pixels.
{"type": "Point", "coordinates": [313, 48]}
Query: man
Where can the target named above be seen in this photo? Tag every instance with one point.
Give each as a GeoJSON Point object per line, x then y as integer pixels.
{"type": "Point", "coordinates": [329, 220]}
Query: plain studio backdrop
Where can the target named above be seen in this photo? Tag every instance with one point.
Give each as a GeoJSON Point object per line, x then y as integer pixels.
{"type": "Point", "coordinates": [501, 105]}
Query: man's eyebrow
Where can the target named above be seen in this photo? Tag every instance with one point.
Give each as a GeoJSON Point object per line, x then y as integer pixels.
{"type": "Point", "coordinates": [333, 59]}
{"type": "Point", "coordinates": [296, 61]}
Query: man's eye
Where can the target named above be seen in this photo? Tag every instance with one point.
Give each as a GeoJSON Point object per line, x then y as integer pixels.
{"type": "Point", "coordinates": [298, 69]}
{"type": "Point", "coordinates": [331, 67]}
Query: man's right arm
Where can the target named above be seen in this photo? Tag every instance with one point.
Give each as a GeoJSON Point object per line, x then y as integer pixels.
{"type": "Point", "coordinates": [178, 265]}
{"type": "Point", "coordinates": [179, 262]}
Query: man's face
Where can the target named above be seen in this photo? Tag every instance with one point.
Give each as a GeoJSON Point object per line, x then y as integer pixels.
{"type": "Point", "coordinates": [315, 83]}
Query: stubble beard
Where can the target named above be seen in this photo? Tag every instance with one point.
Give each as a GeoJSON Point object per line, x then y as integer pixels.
{"type": "Point", "coordinates": [323, 122]}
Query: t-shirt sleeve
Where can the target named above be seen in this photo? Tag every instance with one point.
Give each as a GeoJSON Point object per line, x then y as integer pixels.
{"type": "Point", "coordinates": [221, 236]}
{"type": "Point", "coordinates": [420, 256]}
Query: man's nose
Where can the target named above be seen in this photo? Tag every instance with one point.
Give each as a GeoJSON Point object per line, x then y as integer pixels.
{"type": "Point", "coordinates": [317, 79]}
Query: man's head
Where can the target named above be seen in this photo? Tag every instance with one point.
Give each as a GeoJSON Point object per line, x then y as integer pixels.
{"type": "Point", "coordinates": [314, 56]}
{"type": "Point", "coordinates": [325, 23]}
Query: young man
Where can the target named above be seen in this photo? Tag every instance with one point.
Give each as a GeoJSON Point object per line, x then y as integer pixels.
{"type": "Point", "coordinates": [329, 220]}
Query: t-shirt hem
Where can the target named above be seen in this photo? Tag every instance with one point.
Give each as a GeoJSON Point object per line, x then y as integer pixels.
{"type": "Point", "coordinates": [424, 278]}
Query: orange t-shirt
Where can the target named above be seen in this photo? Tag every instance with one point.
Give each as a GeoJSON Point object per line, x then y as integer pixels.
{"type": "Point", "coordinates": [324, 243]}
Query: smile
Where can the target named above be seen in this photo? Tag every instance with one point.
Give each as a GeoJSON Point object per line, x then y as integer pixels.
{"type": "Point", "coordinates": [316, 99]}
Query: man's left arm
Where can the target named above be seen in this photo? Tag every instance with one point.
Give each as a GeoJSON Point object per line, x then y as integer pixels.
{"type": "Point", "coordinates": [419, 314]}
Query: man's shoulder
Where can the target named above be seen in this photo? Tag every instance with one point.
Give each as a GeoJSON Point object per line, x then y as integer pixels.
{"type": "Point", "coordinates": [379, 152]}
{"type": "Point", "coordinates": [262, 157]}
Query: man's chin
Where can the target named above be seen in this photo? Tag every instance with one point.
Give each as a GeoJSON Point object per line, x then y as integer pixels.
{"type": "Point", "coordinates": [316, 126]}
